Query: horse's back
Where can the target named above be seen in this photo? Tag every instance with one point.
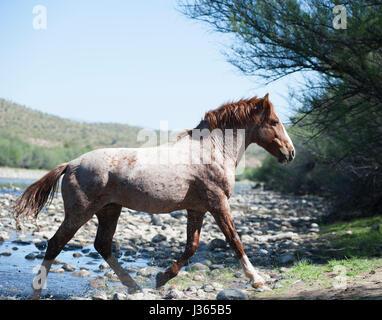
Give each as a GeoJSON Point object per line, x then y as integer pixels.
{"type": "Point", "coordinates": [120, 175]}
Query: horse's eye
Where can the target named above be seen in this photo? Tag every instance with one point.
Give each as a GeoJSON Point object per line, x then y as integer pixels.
{"type": "Point", "coordinates": [274, 123]}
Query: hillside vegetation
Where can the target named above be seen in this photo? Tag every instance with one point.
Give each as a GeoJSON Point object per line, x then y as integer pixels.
{"type": "Point", "coordinates": [33, 139]}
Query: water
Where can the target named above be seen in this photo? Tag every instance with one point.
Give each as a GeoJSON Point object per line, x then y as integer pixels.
{"type": "Point", "coordinates": [17, 272]}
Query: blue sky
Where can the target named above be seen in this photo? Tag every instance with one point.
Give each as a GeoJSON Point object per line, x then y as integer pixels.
{"type": "Point", "coordinates": [132, 62]}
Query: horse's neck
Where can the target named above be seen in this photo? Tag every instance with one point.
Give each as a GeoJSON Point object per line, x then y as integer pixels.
{"type": "Point", "coordinates": [231, 144]}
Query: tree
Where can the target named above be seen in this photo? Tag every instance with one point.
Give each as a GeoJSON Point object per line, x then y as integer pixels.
{"type": "Point", "coordinates": [342, 101]}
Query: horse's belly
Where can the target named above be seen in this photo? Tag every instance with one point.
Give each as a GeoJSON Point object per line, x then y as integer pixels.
{"type": "Point", "coordinates": [151, 195]}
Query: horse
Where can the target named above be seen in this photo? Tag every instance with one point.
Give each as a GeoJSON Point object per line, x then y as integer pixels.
{"type": "Point", "coordinates": [103, 181]}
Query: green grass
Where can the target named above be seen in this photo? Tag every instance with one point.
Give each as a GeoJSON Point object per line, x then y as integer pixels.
{"type": "Point", "coordinates": [363, 241]}
{"type": "Point", "coordinates": [348, 258]}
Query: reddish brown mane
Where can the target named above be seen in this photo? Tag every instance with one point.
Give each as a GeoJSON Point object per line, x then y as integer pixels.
{"type": "Point", "coordinates": [239, 114]}
{"type": "Point", "coordinates": [235, 115]}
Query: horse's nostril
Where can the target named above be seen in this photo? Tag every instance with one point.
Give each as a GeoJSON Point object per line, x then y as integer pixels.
{"type": "Point", "coordinates": [291, 155]}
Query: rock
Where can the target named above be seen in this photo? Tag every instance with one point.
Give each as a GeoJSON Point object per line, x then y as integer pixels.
{"type": "Point", "coordinates": [41, 255]}
{"type": "Point", "coordinates": [97, 283]}
{"type": "Point", "coordinates": [119, 296]}
{"type": "Point", "coordinates": [198, 277]}
{"type": "Point", "coordinates": [155, 220]}
{"type": "Point", "coordinates": [148, 271]}
{"type": "Point", "coordinates": [218, 243]}
{"type": "Point", "coordinates": [286, 258]}
{"type": "Point", "coordinates": [30, 256]}
{"type": "Point", "coordinates": [81, 273]}
{"type": "Point", "coordinates": [86, 250]}
{"type": "Point", "coordinates": [144, 295]}
{"type": "Point", "coordinates": [349, 233]}
{"type": "Point", "coordinates": [232, 294]}
{"type": "Point", "coordinates": [41, 245]}
{"type": "Point", "coordinates": [4, 236]}
{"type": "Point", "coordinates": [208, 288]}
{"type": "Point", "coordinates": [263, 252]}
{"type": "Point", "coordinates": [277, 285]}
{"type": "Point", "coordinates": [94, 255]}
{"type": "Point", "coordinates": [5, 254]}
{"type": "Point", "coordinates": [72, 246]}
{"type": "Point", "coordinates": [197, 266]}
{"type": "Point", "coordinates": [177, 214]}
{"type": "Point", "coordinates": [99, 296]}
{"type": "Point", "coordinates": [216, 266]}
{"type": "Point", "coordinates": [104, 265]}
{"type": "Point", "coordinates": [174, 294]}
{"type": "Point", "coordinates": [375, 227]}
{"type": "Point", "coordinates": [68, 267]}
{"type": "Point", "coordinates": [77, 254]}
{"type": "Point", "coordinates": [57, 270]}
{"type": "Point", "coordinates": [21, 242]}
{"type": "Point", "coordinates": [158, 238]}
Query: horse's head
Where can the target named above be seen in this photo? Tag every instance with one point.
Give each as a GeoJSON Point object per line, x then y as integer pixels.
{"type": "Point", "coordinates": [271, 134]}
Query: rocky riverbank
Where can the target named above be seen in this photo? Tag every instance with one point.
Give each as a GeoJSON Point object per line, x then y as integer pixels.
{"type": "Point", "coordinates": [275, 230]}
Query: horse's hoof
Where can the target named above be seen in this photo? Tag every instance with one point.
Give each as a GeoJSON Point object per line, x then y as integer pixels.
{"type": "Point", "coordinates": [161, 279]}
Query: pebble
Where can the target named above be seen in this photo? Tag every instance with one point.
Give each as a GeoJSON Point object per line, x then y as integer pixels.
{"type": "Point", "coordinates": [72, 246]}
{"type": "Point", "coordinates": [197, 266]}
{"type": "Point", "coordinates": [148, 271]}
{"type": "Point", "coordinates": [30, 256]}
{"type": "Point", "coordinates": [208, 288]}
{"type": "Point", "coordinates": [218, 243]}
{"type": "Point", "coordinates": [41, 245]}
{"type": "Point", "coordinates": [100, 295]}
{"type": "Point", "coordinates": [57, 270]}
{"type": "Point", "coordinates": [68, 267]}
{"type": "Point", "coordinates": [81, 273]}
{"type": "Point", "coordinates": [232, 294]}
{"type": "Point", "coordinates": [155, 220]}
{"type": "Point", "coordinates": [5, 254]}
{"type": "Point", "coordinates": [158, 238]}
{"type": "Point", "coordinates": [263, 252]}
{"type": "Point", "coordinates": [119, 296]}
{"type": "Point", "coordinates": [277, 285]}
{"type": "Point", "coordinates": [174, 294]}
{"type": "Point", "coordinates": [104, 265]}
{"type": "Point", "coordinates": [4, 236]}
{"type": "Point", "coordinates": [94, 255]}
{"type": "Point", "coordinates": [77, 254]}
{"type": "Point", "coordinates": [286, 258]}
{"type": "Point", "coordinates": [97, 283]}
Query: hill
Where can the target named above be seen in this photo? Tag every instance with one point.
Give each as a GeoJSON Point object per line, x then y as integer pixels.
{"type": "Point", "coordinates": [34, 139]}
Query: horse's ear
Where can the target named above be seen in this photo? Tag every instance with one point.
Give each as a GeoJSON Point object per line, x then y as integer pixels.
{"type": "Point", "coordinates": [266, 110]}
{"type": "Point", "coordinates": [266, 101]}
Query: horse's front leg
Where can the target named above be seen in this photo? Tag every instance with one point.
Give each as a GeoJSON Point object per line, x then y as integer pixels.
{"type": "Point", "coordinates": [224, 220]}
{"type": "Point", "coordinates": [194, 225]}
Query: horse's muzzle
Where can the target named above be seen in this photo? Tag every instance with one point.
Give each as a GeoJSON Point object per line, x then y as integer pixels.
{"type": "Point", "coordinates": [286, 157]}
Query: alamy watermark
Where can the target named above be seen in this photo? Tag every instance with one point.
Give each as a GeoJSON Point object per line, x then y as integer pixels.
{"type": "Point", "coordinates": [339, 21]}
{"type": "Point", "coordinates": [40, 17]}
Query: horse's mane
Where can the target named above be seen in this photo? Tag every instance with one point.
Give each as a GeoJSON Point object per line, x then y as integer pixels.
{"type": "Point", "coordinates": [239, 114]}
{"type": "Point", "coordinates": [233, 115]}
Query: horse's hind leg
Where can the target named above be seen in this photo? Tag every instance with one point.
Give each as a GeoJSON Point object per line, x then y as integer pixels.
{"type": "Point", "coordinates": [62, 236]}
{"type": "Point", "coordinates": [107, 224]}
{"type": "Point", "coordinates": [194, 225]}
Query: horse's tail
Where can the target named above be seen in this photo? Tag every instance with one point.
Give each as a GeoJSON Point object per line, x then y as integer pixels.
{"type": "Point", "coordinates": [38, 194]}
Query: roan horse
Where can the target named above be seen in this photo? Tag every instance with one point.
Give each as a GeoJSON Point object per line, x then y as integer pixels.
{"type": "Point", "coordinates": [103, 181]}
